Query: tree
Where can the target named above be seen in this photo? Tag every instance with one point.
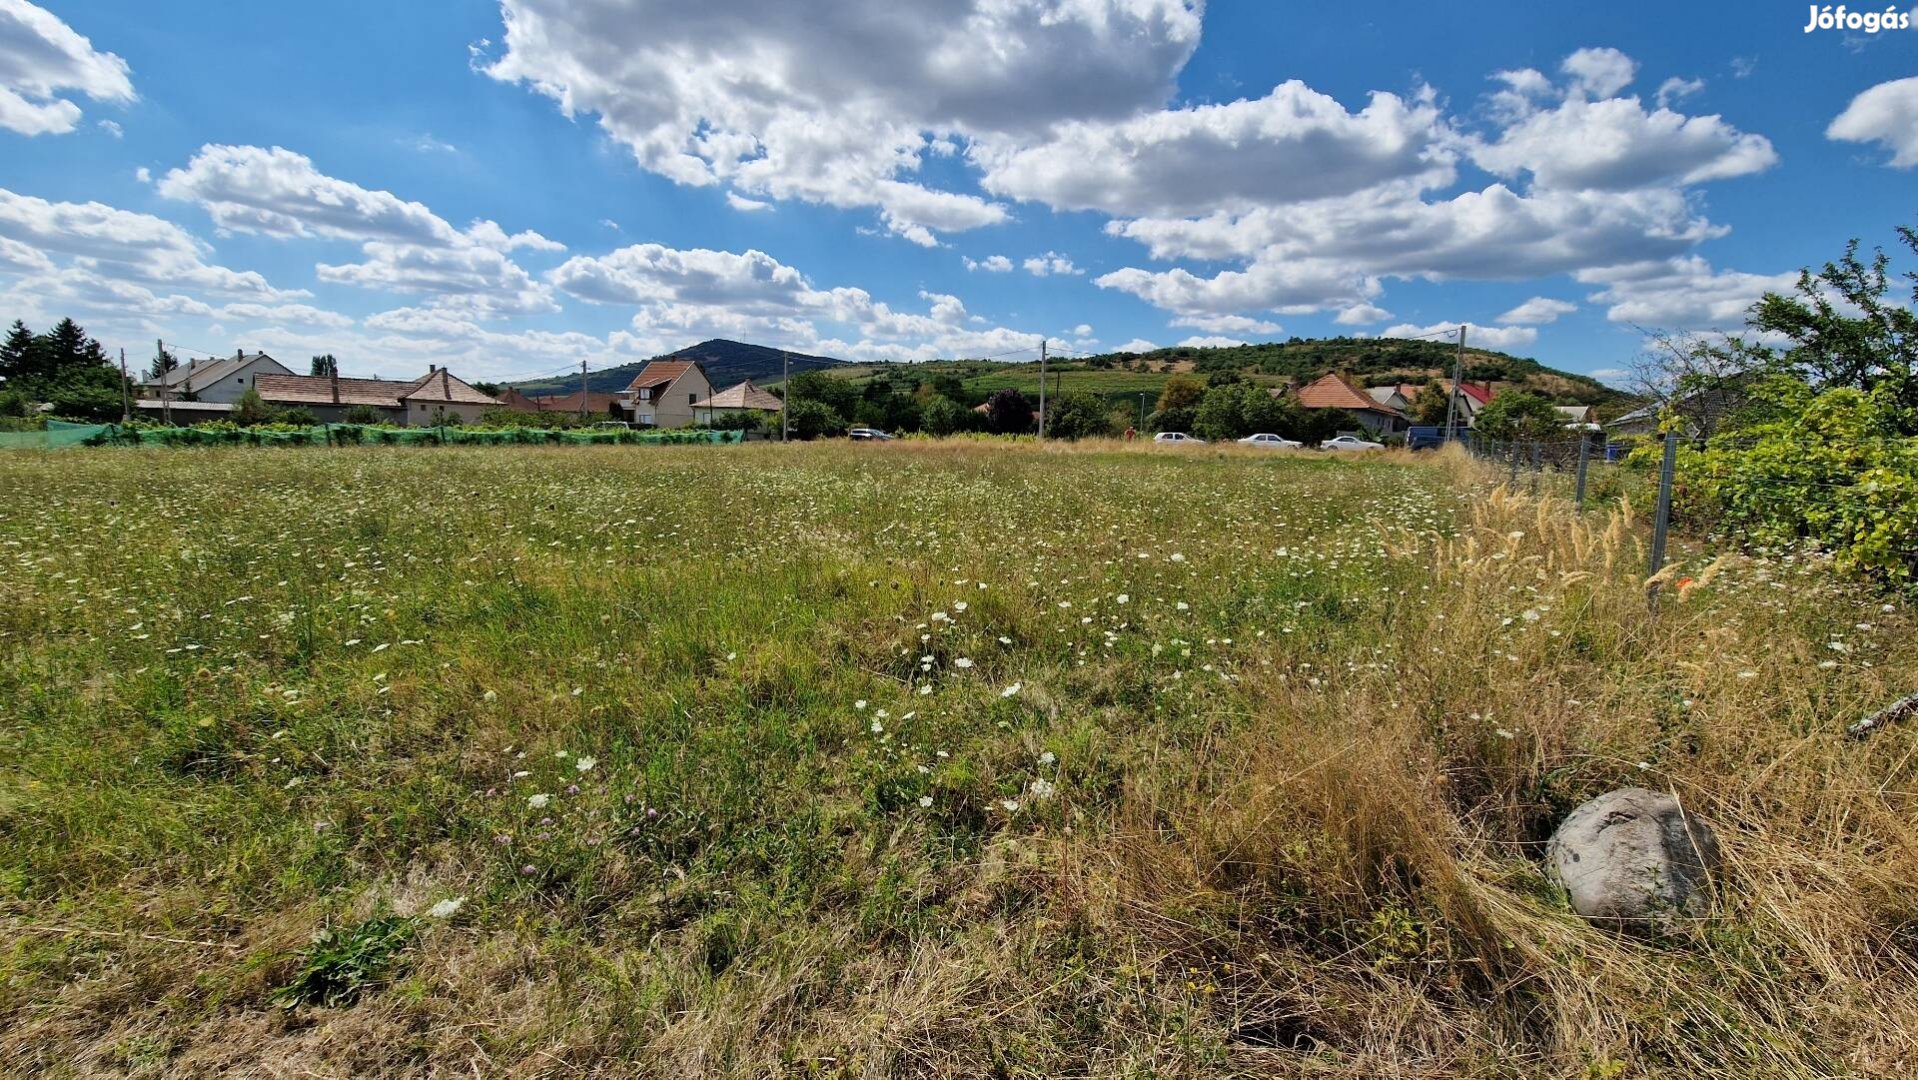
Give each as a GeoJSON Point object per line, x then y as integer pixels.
{"type": "Point", "coordinates": [1009, 412]}
{"type": "Point", "coordinates": [811, 419]}
{"type": "Point", "coordinates": [1518, 415]}
{"type": "Point", "coordinates": [1429, 408]}
{"type": "Point", "coordinates": [163, 362]}
{"type": "Point", "coordinates": [18, 359]}
{"type": "Point", "coordinates": [250, 408]}
{"type": "Point", "coordinates": [67, 347]}
{"type": "Point", "coordinates": [1078, 416]}
{"type": "Point", "coordinates": [1830, 347]}
{"type": "Point", "coordinates": [324, 364]}
{"type": "Point", "coordinates": [1838, 330]}
{"type": "Point", "coordinates": [838, 395]}
{"type": "Point", "coordinates": [1238, 409]}
{"type": "Point", "coordinates": [943, 416]}
{"type": "Point", "coordinates": [1180, 392]}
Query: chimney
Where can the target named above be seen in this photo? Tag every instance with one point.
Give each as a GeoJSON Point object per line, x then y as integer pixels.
{"type": "Point", "coordinates": [336, 384]}
{"type": "Point", "coordinates": [239, 354]}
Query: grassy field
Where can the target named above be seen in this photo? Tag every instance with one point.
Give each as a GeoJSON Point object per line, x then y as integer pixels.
{"type": "Point", "coordinates": [920, 759]}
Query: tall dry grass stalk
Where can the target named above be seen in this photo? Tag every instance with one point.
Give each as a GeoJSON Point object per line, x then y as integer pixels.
{"type": "Point", "coordinates": [1372, 865]}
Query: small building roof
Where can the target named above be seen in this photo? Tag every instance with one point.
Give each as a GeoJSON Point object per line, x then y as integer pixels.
{"type": "Point", "coordinates": [196, 373]}
{"type": "Point", "coordinates": [1336, 391]}
{"type": "Point", "coordinates": [596, 402]}
{"type": "Point", "coordinates": [437, 385]}
{"type": "Point", "coordinates": [743, 396]}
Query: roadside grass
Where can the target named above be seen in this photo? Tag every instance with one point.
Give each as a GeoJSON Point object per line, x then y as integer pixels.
{"type": "Point", "coordinates": [917, 759]}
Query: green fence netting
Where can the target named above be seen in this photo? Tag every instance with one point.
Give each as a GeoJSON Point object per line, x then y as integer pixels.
{"type": "Point", "coordinates": [58, 434]}
{"type": "Point", "coordinates": [369, 435]}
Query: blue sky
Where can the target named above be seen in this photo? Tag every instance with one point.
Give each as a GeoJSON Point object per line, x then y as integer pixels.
{"type": "Point", "coordinates": [509, 188]}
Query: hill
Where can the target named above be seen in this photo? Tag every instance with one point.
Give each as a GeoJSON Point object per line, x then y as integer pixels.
{"type": "Point", "coordinates": [1124, 376]}
{"type": "Point", "coordinates": [726, 363]}
{"type": "Point", "coordinates": [1371, 361]}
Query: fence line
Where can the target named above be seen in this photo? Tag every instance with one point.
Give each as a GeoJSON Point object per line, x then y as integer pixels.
{"type": "Point", "coordinates": [1543, 458]}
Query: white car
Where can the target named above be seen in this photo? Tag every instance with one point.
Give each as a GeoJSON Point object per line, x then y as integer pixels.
{"type": "Point", "coordinates": [1177, 438]}
{"type": "Point", "coordinates": [1349, 442]}
{"type": "Point", "coordinates": [1270, 442]}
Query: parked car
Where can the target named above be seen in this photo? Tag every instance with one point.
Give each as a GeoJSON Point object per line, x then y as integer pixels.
{"type": "Point", "coordinates": [1179, 438]}
{"type": "Point", "coordinates": [1269, 441]}
{"type": "Point", "coordinates": [866, 434]}
{"type": "Point", "coordinates": [1349, 442]}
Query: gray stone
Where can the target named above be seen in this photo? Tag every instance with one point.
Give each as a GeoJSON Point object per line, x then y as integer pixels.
{"type": "Point", "coordinates": [1634, 859]}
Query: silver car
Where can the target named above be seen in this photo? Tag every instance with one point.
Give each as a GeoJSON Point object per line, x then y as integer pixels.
{"type": "Point", "coordinates": [1349, 442]}
{"type": "Point", "coordinates": [1268, 441]}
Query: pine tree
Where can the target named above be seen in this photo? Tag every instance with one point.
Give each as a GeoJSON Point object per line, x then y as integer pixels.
{"type": "Point", "coordinates": [163, 362]}
{"type": "Point", "coordinates": [17, 360]}
{"type": "Point", "coordinates": [65, 347]}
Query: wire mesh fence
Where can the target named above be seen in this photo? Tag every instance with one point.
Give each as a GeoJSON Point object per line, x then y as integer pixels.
{"type": "Point", "coordinates": [1588, 469]}
{"type": "Point", "coordinates": [59, 434]}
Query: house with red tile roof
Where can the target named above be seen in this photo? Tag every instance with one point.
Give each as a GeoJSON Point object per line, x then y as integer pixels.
{"type": "Point", "coordinates": [433, 398]}
{"type": "Point", "coordinates": [664, 392]}
{"type": "Point", "coordinates": [1337, 391]}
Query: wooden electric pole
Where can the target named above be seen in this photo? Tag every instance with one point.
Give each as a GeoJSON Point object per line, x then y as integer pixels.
{"type": "Point", "coordinates": [582, 389]}
{"type": "Point", "coordinates": [1451, 401]}
{"type": "Point", "coordinates": [126, 390]}
{"type": "Point", "coordinates": [1042, 388]}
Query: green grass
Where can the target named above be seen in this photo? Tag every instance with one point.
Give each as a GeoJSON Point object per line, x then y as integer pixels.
{"type": "Point", "coordinates": [950, 758]}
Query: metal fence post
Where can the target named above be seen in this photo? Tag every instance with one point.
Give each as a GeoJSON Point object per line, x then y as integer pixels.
{"type": "Point", "coordinates": [1662, 517]}
{"type": "Point", "coordinates": [1584, 461]}
{"type": "Point", "coordinates": [1538, 464]}
{"type": "Point", "coordinates": [1512, 453]}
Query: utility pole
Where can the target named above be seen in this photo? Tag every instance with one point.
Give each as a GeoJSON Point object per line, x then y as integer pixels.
{"type": "Point", "coordinates": [1451, 401]}
{"type": "Point", "coordinates": [1142, 412]}
{"type": "Point", "coordinates": [582, 389]}
{"type": "Point", "coordinates": [166, 388]}
{"type": "Point", "coordinates": [126, 390]}
{"type": "Point", "coordinates": [1042, 388]}
{"type": "Point", "coordinates": [785, 394]}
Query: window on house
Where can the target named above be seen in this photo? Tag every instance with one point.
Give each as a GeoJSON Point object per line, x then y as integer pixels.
{"type": "Point", "coordinates": [690, 398]}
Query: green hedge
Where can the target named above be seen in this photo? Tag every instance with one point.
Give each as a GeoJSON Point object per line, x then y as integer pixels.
{"type": "Point", "coordinates": [379, 435]}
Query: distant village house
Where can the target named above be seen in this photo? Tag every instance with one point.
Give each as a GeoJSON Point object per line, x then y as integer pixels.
{"type": "Point", "coordinates": [744, 397]}
{"type": "Point", "coordinates": [664, 392]}
{"type": "Point", "coordinates": [436, 397]}
{"type": "Point", "coordinates": [1337, 391]}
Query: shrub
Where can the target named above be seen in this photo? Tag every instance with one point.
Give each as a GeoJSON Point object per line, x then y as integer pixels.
{"type": "Point", "coordinates": [943, 416]}
{"type": "Point", "coordinates": [363, 414]}
{"type": "Point", "coordinates": [250, 409]}
{"type": "Point", "coordinates": [1797, 465]}
{"type": "Point", "coordinates": [810, 419]}
{"type": "Point", "coordinates": [1519, 416]}
{"type": "Point", "coordinates": [1009, 412]}
{"type": "Point", "coordinates": [297, 416]}
{"type": "Point", "coordinates": [1078, 416]}
{"type": "Point", "coordinates": [1235, 410]}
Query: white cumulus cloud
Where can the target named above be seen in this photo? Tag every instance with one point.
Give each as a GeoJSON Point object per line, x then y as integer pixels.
{"type": "Point", "coordinates": [1538, 311]}
{"type": "Point", "coordinates": [1886, 114]}
{"type": "Point", "coordinates": [42, 57]}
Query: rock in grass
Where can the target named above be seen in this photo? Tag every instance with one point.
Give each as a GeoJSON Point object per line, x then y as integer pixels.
{"type": "Point", "coordinates": [1633, 858]}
